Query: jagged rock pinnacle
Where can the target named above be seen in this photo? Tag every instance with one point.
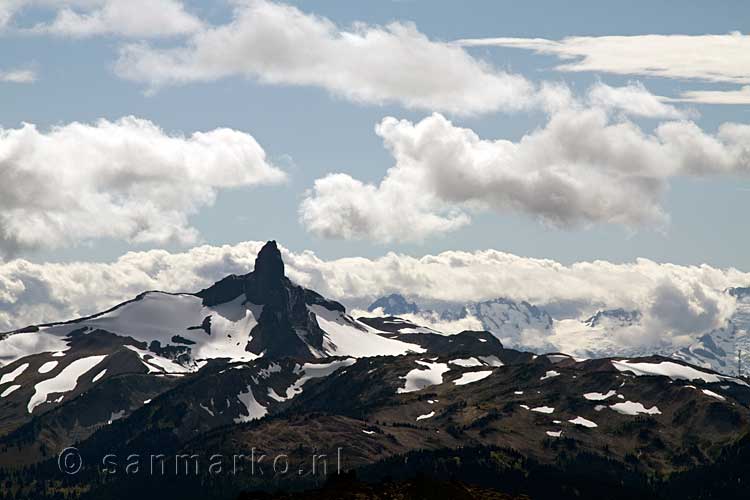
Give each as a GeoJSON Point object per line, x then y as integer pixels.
{"type": "Point", "coordinates": [269, 267]}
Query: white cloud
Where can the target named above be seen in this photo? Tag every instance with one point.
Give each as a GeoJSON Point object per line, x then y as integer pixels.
{"type": "Point", "coordinates": [676, 300]}
{"type": "Point", "coordinates": [741, 96]}
{"type": "Point", "coordinates": [634, 100]}
{"type": "Point", "coordinates": [714, 58]}
{"type": "Point", "coordinates": [18, 76]}
{"type": "Point", "coordinates": [399, 209]}
{"type": "Point", "coordinates": [711, 58]}
{"type": "Point", "coordinates": [585, 166]}
{"type": "Point", "coordinates": [84, 18]}
{"type": "Point", "coordinates": [278, 44]}
{"type": "Point", "coordinates": [126, 179]}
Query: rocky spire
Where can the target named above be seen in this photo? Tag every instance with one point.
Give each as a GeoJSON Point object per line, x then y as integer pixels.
{"type": "Point", "coordinates": [269, 267]}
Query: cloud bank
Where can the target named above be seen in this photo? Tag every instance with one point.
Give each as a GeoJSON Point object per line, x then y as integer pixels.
{"type": "Point", "coordinates": [676, 300]}
{"type": "Point", "coordinates": [279, 44]}
{"type": "Point", "coordinates": [589, 164]}
{"type": "Point", "coordinates": [126, 179]}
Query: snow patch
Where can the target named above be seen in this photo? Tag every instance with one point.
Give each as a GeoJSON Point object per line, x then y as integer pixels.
{"type": "Point", "coordinates": [543, 409]}
{"type": "Point", "coordinates": [254, 409]}
{"type": "Point", "coordinates": [47, 367]}
{"type": "Point", "coordinates": [157, 364]}
{"type": "Point", "coordinates": [471, 377]}
{"type": "Point", "coordinates": [598, 396]}
{"type": "Point", "coordinates": [493, 361]}
{"type": "Point", "coordinates": [65, 381]}
{"type": "Point", "coordinates": [426, 416]}
{"type": "Point", "coordinates": [714, 395]}
{"type": "Point", "coordinates": [466, 363]}
{"type": "Point", "coordinates": [115, 416]}
{"type": "Point", "coordinates": [634, 408]}
{"type": "Point", "coordinates": [417, 379]}
{"type": "Point", "coordinates": [309, 371]}
{"type": "Point", "coordinates": [11, 376]}
{"type": "Point", "coordinates": [583, 422]}
{"type": "Point", "coordinates": [9, 390]}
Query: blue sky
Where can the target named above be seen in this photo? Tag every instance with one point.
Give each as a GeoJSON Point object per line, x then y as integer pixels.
{"type": "Point", "coordinates": [308, 132]}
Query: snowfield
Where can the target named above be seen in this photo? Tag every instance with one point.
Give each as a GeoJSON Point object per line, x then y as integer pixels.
{"type": "Point", "coordinates": [347, 337]}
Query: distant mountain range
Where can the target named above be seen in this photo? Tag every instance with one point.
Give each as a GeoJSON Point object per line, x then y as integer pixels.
{"type": "Point", "coordinates": [257, 363]}
{"type": "Point", "coordinates": [521, 325]}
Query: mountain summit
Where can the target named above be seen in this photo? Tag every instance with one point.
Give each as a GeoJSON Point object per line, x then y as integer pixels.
{"type": "Point", "coordinates": [269, 266]}
{"type": "Point", "coordinates": [287, 314]}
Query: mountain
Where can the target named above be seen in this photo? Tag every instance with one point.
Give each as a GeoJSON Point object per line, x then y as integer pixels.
{"type": "Point", "coordinates": [159, 337]}
{"type": "Point", "coordinates": [619, 316]}
{"type": "Point", "coordinates": [394, 305]}
{"type": "Point", "coordinates": [256, 365]}
{"type": "Point", "coordinates": [508, 320]}
{"type": "Point", "coordinates": [723, 349]}
{"type": "Point", "coordinates": [521, 325]}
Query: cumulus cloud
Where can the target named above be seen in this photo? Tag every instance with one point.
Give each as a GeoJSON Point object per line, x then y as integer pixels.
{"type": "Point", "coordinates": [85, 18]}
{"type": "Point", "coordinates": [18, 76]}
{"type": "Point", "coordinates": [634, 100]}
{"type": "Point", "coordinates": [279, 44]}
{"type": "Point", "coordinates": [587, 165]}
{"type": "Point", "coordinates": [126, 179]}
{"type": "Point", "coordinates": [676, 300]}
